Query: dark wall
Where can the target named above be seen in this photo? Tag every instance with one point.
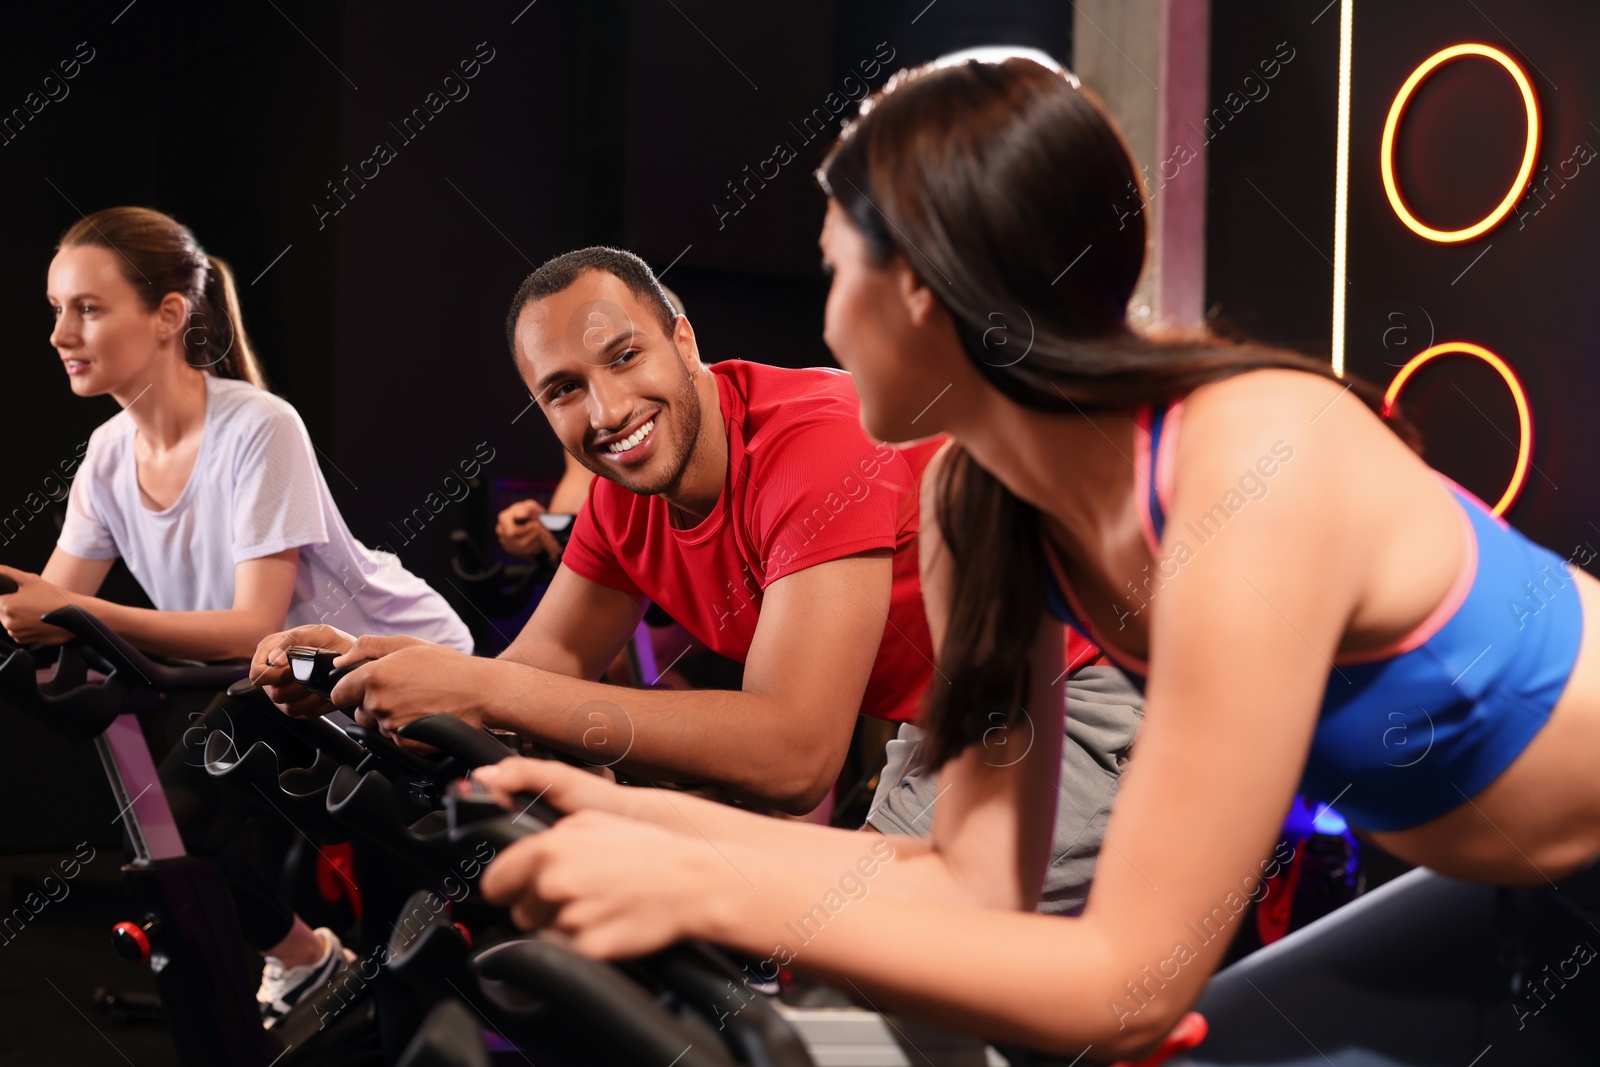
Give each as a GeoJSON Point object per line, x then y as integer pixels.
{"type": "Point", "coordinates": [430, 249]}
{"type": "Point", "coordinates": [1269, 209]}
{"type": "Point", "coordinates": [204, 110]}
{"type": "Point", "coordinates": [375, 257]}
{"type": "Point", "coordinates": [1523, 289]}
{"type": "Point", "coordinates": [614, 122]}
{"type": "Point", "coordinates": [379, 216]}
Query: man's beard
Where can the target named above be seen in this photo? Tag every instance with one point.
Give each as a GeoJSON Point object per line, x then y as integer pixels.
{"type": "Point", "coordinates": [684, 406]}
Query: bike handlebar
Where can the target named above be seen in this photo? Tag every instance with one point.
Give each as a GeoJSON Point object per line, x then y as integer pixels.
{"type": "Point", "coordinates": [157, 677]}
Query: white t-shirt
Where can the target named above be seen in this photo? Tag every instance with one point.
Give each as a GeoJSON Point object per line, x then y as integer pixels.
{"type": "Point", "coordinates": [255, 490]}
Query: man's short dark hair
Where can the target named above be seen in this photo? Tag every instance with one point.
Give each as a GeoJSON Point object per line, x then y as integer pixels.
{"type": "Point", "coordinates": [557, 274]}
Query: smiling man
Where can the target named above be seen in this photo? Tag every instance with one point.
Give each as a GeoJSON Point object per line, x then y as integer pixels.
{"type": "Point", "coordinates": [745, 500]}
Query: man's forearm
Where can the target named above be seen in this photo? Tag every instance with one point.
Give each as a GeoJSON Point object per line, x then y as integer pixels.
{"type": "Point", "coordinates": [748, 743]}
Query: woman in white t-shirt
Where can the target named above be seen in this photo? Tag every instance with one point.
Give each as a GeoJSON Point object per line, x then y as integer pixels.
{"type": "Point", "coordinates": [207, 486]}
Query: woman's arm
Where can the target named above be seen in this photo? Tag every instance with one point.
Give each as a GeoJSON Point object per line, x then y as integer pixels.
{"type": "Point", "coordinates": [76, 575]}
{"type": "Point", "coordinates": [38, 594]}
{"type": "Point", "coordinates": [996, 808]}
{"type": "Point", "coordinates": [261, 594]}
{"type": "Point", "coordinates": [1242, 639]}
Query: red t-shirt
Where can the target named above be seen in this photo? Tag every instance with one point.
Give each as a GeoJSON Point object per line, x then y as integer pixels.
{"type": "Point", "coordinates": [805, 485]}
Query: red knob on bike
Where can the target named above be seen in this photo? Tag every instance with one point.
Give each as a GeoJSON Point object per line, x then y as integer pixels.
{"type": "Point", "coordinates": [132, 941]}
{"type": "Point", "coordinates": [1190, 1031]}
{"type": "Point", "coordinates": [466, 935]}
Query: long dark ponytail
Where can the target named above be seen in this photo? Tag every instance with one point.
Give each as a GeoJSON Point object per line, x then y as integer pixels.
{"type": "Point", "coordinates": [158, 255]}
{"type": "Point", "coordinates": [1010, 192]}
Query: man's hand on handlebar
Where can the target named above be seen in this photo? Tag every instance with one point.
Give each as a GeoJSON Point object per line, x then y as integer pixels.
{"type": "Point", "coordinates": [407, 679]}
{"type": "Point", "coordinates": [269, 667]}
{"type": "Point", "coordinates": [523, 535]}
{"type": "Point", "coordinates": [20, 611]}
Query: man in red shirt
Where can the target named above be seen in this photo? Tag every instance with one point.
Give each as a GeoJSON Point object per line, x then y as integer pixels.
{"type": "Point", "coordinates": [746, 501]}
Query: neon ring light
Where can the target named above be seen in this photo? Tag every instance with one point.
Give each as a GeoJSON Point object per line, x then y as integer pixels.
{"type": "Point", "coordinates": [1397, 109]}
{"type": "Point", "coordinates": [1524, 419]}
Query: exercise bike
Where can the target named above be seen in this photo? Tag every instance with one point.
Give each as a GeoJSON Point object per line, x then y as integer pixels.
{"type": "Point", "coordinates": [184, 926]}
{"type": "Point", "coordinates": [518, 981]}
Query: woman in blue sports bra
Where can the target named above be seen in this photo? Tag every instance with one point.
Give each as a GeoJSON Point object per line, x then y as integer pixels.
{"type": "Point", "coordinates": [1407, 729]}
{"type": "Point", "coordinates": [1311, 607]}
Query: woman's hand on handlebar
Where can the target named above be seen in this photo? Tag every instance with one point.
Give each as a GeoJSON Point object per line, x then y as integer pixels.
{"type": "Point", "coordinates": [20, 611]}
{"type": "Point", "coordinates": [617, 886]}
{"type": "Point", "coordinates": [269, 667]}
{"type": "Point", "coordinates": [523, 535]}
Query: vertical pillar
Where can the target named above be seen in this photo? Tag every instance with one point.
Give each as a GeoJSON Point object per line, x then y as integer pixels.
{"type": "Point", "coordinates": [1149, 61]}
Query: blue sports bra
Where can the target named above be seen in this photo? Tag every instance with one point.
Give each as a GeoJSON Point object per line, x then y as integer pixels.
{"type": "Point", "coordinates": [1410, 731]}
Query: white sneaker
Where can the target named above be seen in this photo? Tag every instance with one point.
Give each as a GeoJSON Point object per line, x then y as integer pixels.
{"type": "Point", "coordinates": [282, 988]}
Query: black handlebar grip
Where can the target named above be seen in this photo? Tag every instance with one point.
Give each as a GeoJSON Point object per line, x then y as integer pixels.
{"type": "Point", "coordinates": [469, 803]}
{"type": "Point", "coordinates": [150, 674]}
{"type": "Point", "coordinates": [453, 737]}
{"type": "Point", "coordinates": [558, 524]}
{"type": "Point", "coordinates": [314, 669]}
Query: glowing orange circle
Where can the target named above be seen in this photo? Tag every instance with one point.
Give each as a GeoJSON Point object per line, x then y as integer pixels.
{"type": "Point", "coordinates": [1518, 394]}
{"type": "Point", "coordinates": [1390, 127]}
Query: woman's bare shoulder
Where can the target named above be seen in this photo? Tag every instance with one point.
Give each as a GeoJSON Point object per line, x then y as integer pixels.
{"type": "Point", "coordinates": [1272, 393]}
{"type": "Point", "coordinates": [1323, 419]}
